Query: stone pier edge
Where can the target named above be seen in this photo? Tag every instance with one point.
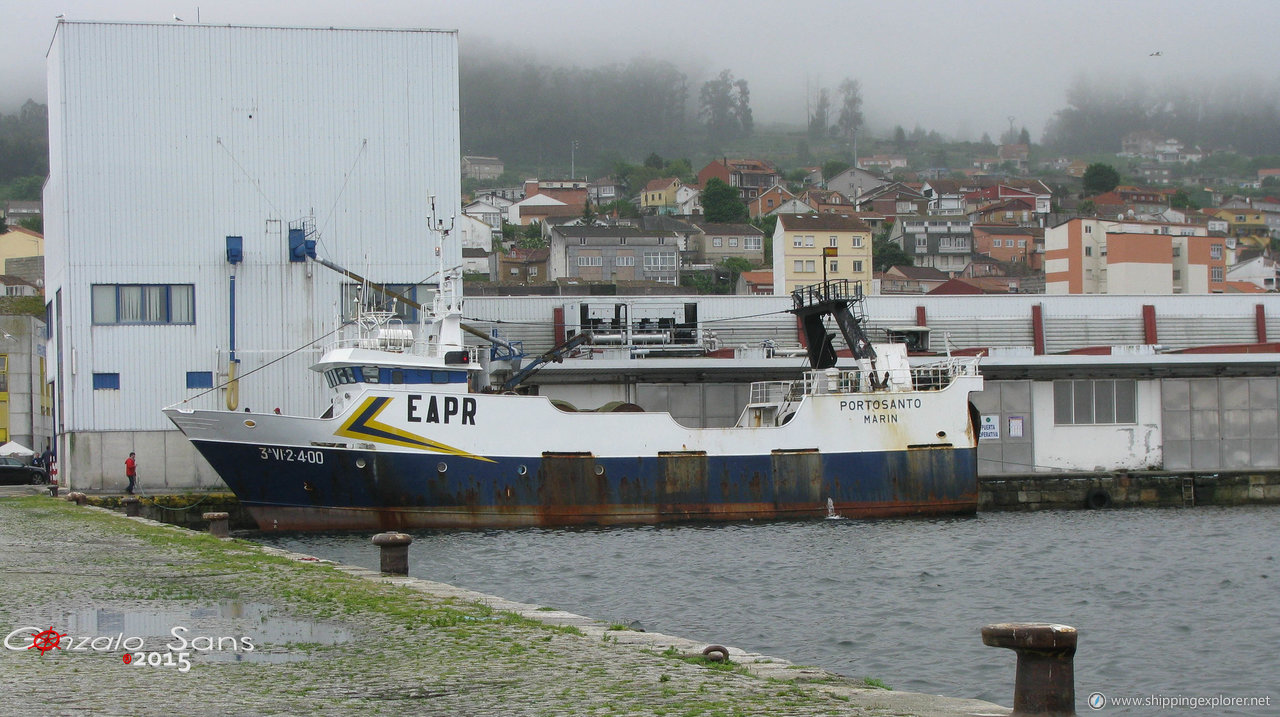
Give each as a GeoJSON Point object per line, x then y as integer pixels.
{"type": "Point", "coordinates": [755, 664]}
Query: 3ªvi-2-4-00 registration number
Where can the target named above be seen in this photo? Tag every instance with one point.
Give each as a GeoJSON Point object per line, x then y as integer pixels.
{"type": "Point", "coordinates": [291, 454]}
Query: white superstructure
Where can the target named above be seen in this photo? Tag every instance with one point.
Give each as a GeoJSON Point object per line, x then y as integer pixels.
{"type": "Point", "coordinates": [167, 138]}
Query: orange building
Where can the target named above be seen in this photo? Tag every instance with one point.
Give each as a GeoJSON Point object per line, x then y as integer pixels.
{"type": "Point", "coordinates": [1091, 256]}
{"type": "Point", "coordinates": [1008, 243]}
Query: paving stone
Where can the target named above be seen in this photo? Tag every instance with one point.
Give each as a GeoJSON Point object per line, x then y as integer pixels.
{"type": "Point", "coordinates": [404, 645]}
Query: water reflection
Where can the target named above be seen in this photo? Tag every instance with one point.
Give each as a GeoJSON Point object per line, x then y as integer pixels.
{"type": "Point", "coordinates": [1166, 601]}
{"type": "Point", "coordinates": [212, 633]}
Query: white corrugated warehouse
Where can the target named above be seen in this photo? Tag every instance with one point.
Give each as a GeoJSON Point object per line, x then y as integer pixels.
{"type": "Point", "coordinates": [165, 139]}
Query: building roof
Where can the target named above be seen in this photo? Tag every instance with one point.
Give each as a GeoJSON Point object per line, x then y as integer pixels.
{"type": "Point", "coordinates": [945, 186]}
{"type": "Point", "coordinates": [956, 286]}
{"type": "Point", "coordinates": [528, 256]}
{"type": "Point", "coordinates": [822, 222]}
{"type": "Point", "coordinates": [19, 229]}
{"type": "Point", "coordinates": [920, 273]}
{"type": "Point", "coordinates": [666, 223]}
{"type": "Point", "coordinates": [712, 228]}
{"type": "Point", "coordinates": [1008, 230]}
{"type": "Point", "coordinates": [657, 185]}
{"type": "Point", "coordinates": [12, 280]}
{"type": "Point", "coordinates": [1242, 287]}
{"type": "Point", "coordinates": [618, 231]}
{"type": "Point", "coordinates": [757, 277]}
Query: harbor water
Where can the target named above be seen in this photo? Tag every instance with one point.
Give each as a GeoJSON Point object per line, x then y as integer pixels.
{"type": "Point", "coordinates": [1168, 602]}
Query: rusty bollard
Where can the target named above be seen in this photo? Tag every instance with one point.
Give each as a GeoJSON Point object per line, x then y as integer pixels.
{"type": "Point", "coordinates": [395, 552]}
{"type": "Point", "coordinates": [1045, 683]}
{"type": "Point", "coordinates": [132, 507]}
{"type": "Point", "coordinates": [218, 524]}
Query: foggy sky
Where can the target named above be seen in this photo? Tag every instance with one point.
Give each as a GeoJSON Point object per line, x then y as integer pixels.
{"type": "Point", "coordinates": [962, 68]}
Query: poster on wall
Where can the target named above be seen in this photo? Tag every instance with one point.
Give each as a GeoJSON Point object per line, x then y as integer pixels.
{"type": "Point", "coordinates": [990, 430]}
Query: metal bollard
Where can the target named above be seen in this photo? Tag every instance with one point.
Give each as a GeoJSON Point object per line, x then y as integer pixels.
{"type": "Point", "coordinates": [395, 552]}
{"type": "Point", "coordinates": [53, 489]}
{"type": "Point", "coordinates": [218, 524]}
{"type": "Point", "coordinates": [132, 507]}
{"type": "Point", "coordinates": [1045, 682]}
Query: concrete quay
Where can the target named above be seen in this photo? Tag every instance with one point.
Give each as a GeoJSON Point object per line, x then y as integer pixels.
{"type": "Point", "coordinates": [269, 632]}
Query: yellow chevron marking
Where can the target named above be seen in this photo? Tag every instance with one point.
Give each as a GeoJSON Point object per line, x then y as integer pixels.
{"type": "Point", "coordinates": [364, 425]}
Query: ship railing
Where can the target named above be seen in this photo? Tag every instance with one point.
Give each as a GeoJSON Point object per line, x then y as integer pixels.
{"type": "Point", "coordinates": [763, 392]}
{"type": "Point", "coordinates": [929, 377]}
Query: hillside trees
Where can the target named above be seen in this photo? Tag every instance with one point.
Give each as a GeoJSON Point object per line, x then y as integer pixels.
{"type": "Point", "coordinates": [721, 203]}
{"type": "Point", "coordinates": [24, 152]}
{"type": "Point", "coordinates": [725, 107]}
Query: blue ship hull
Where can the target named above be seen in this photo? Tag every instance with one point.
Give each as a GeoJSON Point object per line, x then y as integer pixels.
{"type": "Point", "coordinates": [344, 489]}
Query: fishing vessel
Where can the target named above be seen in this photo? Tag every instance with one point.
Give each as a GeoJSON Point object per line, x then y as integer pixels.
{"type": "Point", "coordinates": [416, 438]}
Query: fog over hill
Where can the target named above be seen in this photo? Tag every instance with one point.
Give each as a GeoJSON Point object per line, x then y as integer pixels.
{"type": "Point", "coordinates": [963, 69]}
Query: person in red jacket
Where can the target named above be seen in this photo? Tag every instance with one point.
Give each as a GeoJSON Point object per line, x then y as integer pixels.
{"type": "Point", "coordinates": [130, 472]}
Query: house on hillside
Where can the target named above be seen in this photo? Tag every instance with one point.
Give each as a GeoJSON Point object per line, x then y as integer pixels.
{"type": "Point", "coordinates": [1010, 243]}
{"type": "Point", "coordinates": [605, 190]}
{"type": "Point", "coordinates": [659, 195]}
{"type": "Point", "coordinates": [718, 242]}
{"type": "Point", "coordinates": [539, 208]}
{"type": "Point", "coordinates": [1260, 270]}
{"type": "Point", "coordinates": [620, 253]}
{"type": "Point", "coordinates": [940, 242]}
{"type": "Point", "coordinates": [487, 211]}
{"type": "Point", "coordinates": [945, 196]}
{"type": "Point", "coordinates": [827, 201]}
{"type": "Point", "coordinates": [15, 210]}
{"type": "Point", "coordinates": [522, 266]}
{"type": "Point", "coordinates": [768, 201]}
{"type": "Point", "coordinates": [882, 162]}
{"type": "Point", "coordinates": [481, 168]}
{"type": "Point", "coordinates": [894, 200]}
{"type": "Point", "coordinates": [911, 280]}
{"type": "Point", "coordinates": [855, 182]}
{"type": "Point", "coordinates": [808, 248]}
{"type": "Point", "coordinates": [755, 283]}
{"type": "Point", "coordinates": [750, 177]}
{"type": "Point", "coordinates": [1016, 154]}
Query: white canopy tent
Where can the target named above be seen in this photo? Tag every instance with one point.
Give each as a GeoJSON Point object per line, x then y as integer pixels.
{"type": "Point", "coordinates": [13, 448]}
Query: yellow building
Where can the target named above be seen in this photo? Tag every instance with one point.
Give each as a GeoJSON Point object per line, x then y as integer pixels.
{"type": "Point", "coordinates": [660, 195]}
{"type": "Point", "coordinates": [807, 245]}
{"type": "Point", "coordinates": [20, 242]}
{"type": "Point", "coordinates": [1248, 224]}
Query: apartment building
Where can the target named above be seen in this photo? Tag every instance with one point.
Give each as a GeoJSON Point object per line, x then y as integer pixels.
{"type": "Point", "coordinates": [1091, 256]}
{"type": "Point", "coordinates": [808, 248]}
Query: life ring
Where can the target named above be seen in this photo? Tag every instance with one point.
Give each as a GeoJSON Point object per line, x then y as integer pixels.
{"type": "Point", "coordinates": [1097, 498]}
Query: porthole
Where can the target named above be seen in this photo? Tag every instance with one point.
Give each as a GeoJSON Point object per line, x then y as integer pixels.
{"type": "Point", "coordinates": [522, 471]}
{"type": "Point", "coordinates": [360, 463]}
{"type": "Point", "coordinates": [441, 467]}
{"type": "Point", "coordinates": [599, 469]}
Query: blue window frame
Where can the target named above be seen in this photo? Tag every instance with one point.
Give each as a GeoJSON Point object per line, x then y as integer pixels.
{"type": "Point", "coordinates": [106, 382]}
{"type": "Point", "coordinates": [143, 304]}
{"type": "Point", "coordinates": [199, 379]}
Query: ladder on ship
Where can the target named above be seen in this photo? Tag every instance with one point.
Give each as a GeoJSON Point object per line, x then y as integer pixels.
{"type": "Point", "coordinates": [1188, 491]}
{"type": "Point", "coordinates": [841, 299]}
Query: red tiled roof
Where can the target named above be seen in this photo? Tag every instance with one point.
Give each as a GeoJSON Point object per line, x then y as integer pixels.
{"type": "Point", "coordinates": [657, 185]}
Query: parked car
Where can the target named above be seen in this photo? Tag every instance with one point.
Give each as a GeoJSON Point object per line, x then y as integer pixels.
{"type": "Point", "coordinates": [15, 472]}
